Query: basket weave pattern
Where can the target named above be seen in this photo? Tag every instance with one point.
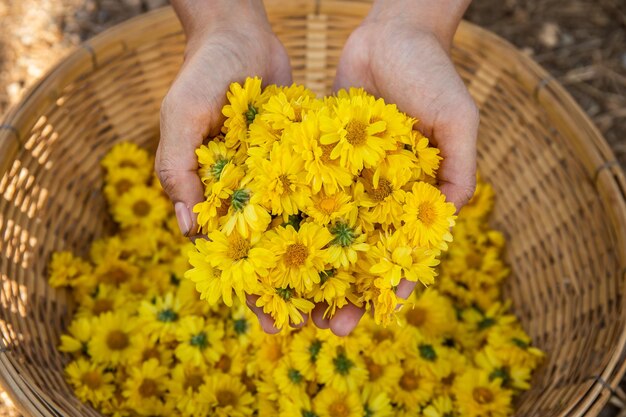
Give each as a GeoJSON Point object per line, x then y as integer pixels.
{"type": "Point", "coordinates": [560, 195]}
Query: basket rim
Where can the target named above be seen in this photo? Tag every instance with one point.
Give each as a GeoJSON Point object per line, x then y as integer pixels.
{"type": "Point", "coordinates": [594, 152]}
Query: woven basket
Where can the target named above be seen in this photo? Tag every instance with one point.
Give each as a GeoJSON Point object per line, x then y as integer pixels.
{"type": "Point", "coordinates": [560, 195]}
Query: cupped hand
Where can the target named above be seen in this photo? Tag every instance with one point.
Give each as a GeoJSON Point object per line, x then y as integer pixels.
{"type": "Point", "coordinates": [393, 57]}
{"type": "Point", "coordinates": [222, 47]}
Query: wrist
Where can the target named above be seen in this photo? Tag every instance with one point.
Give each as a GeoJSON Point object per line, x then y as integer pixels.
{"type": "Point", "coordinates": [438, 17]}
{"type": "Point", "coordinates": [201, 16]}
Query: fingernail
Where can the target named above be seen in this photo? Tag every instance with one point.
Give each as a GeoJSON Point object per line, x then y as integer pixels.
{"type": "Point", "coordinates": [183, 217]}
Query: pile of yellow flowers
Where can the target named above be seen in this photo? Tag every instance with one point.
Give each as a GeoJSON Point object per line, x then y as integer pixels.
{"type": "Point", "coordinates": [317, 201]}
{"type": "Point", "coordinates": [142, 342]}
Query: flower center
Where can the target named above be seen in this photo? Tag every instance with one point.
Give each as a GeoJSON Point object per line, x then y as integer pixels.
{"type": "Point", "coordinates": [416, 317]}
{"type": "Point", "coordinates": [102, 305]}
{"type": "Point", "coordinates": [356, 134]}
{"type": "Point", "coordinates": [138, 287]}
{"type": "Point", "coordinates": [426, 213]}
{"type": "Point", "coordinates": [409, 381]}
{"type": "Point", "coordinates": [327, 205]}
{"type": "Point", "coordinates": [148, 388]}
{"type": "Point", "coordinates": [240, 199]}
{"type": "Point", "coordinates": [284, 293]}
{"type": "Point", "coordinates": [226, 398]}
{"type": "Point", "coordinates": [314, 349]}
{"type": "Point", "coordinates": [473, 260]}
{"type": "Point", "coordinates": [150, 353]}
{"type": "Point", "coordinates": [217, 168]}
{"type": "Point", "coordinates": [92, 379]}
{"type": "Point", "coordinates": [383, 190]}
{"type": "Point", "coordinates": [238, 247]}
{"type": "Point", "coordinates": [224, 363]}
{"type": "Point", "coordinates": [342, 363]}
{"type": "Point", "coordinates": [382, 335]}
{"type": "Point", "coordinates": [116, 276]}
{"type": "Point", "coordinates": [250, 115]}
{"type": "Point", "coordinates": [326, 151]}
{"type": "Point", "coordinates": [240, 326]}
{"type": "Point", "coordinates": [296, 255]}
{"type": "Point", "coordinates": [117, 340]}
{"type": "Point", "coordinates": [375, 371]}
{"type": "Point", "coordinates": [141, 208]}
{"type": "Point", "coordinates": [482, 395]}
{"type": "Point", "coordinates": [123, 186]}
{"type": "Point", "coordinates": [127, 163]}
{"type": "Point", "coordinates": [193, 380]}
{"type": "Point", "coordinates": [285, 183]}
{"type": "Point", "coordinates": [427, 352]}
{"type": "Point", "coordinates": [167, 315]}
{"type": "Point", "coordinates": [199, 340]}
{"type": "Point", "coordinates": [338, 409]}
{"type": "Point", "coordinates": [294, 376]}
{"type": "Point", "coordinates": [344, 234]}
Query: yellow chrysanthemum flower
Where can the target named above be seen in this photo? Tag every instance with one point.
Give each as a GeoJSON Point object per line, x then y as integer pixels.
{"type": "Point", "coordinates": [439, 407]}
{"type": "Point", "coordinates": [213, 158]}
{"type": "Point", "coordinates": [283, 304]}
{"type": "Point", "coordinates": [79, 332]}
{"type": "Point", "coordinates": [90, 381]}
{"type": "Point", "coordinates": [415, 388]}
{"type": "Point", "coordinates": [304, 350]}
{"type": "Point", "coordinates": [144, 387]}
{"type": "Point", "coordinates": [128, 155]}
{"type": "Point", "coordinates": [245, 214]}
{"type": "Point", "coordinates": [290, 382]}
{"type": "Point", "coordinates": [340, 368]}
{"type": "Point", "coordinates": [65, 269]}
{"type": "Point", "coordinates": [120, 181]}
{"type": "Point", "coordinates": [382, 197]}
{"type": "Point", "coordinates": [113, 339]}
{"type": "Point", "coordinates": [282, 111]}
{"type": "Point", "coordinates": [141, 206]}
{"type": "Point", "coordinates": [478, 395]}
{"type": "Point", "coordinates": [322, 171]}
{"type": "Point", "coordinates": [183, 389]}
{"type": "Point", "coordinates": [279, 181]}
{"type": "Point", "coordinates": [244, 103]}
{"type": "Point", "coordinates": [199, 342]}
{"type": "Point", "coordinates": [227, 396]}
{"type": "Point", "coordinates": [348, 241]}
{"type": "Point", "coordinates": [355, 137]}
{"type": "Point", "coordinates": [332, 403]}
{"type": "Point", "coordinates": [333, 290]}
{"type": "Point", "coordinates": [428, 158]}
{"type": "Point", "coordinates": [428, 217]}
{"type": "Point", "coordinates": [394, 257]}
{"type": "Point", "coordinates": [146, 347]}
{"type": "Point", "coordinates": [430, 313]}
{"type": "Point", "coordinates": [376, 403]}
{"type": "Point", "coordinates": [324, 208]}
{"type": "Point", "coordinates": [225, 264]}
{"type": "Point", "coordinates": [301, 255]}
{"type": "Point", "coordinates": [161, 316]}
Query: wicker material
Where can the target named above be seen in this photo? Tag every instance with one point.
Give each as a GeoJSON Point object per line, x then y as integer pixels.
{"type": "Point", "coordinates": [560, 195]}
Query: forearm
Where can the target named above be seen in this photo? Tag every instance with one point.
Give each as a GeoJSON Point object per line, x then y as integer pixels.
{"type": "Point", "coordinates": [440, 17]}
{"type": "Point", "coordinates": [197, 15]}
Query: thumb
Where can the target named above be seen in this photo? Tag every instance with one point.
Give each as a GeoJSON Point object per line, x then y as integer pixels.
{"type": "Point", "coordinates": [182, 132]}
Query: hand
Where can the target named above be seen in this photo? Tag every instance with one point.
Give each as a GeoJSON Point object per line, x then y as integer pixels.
{"type": "Point", "coordinates": [227, 41]}
{"type": "Point", "coordinates": [401, 53]}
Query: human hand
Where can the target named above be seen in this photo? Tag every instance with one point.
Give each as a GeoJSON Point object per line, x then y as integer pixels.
{"type": "Point", "coordinates": [401, 53]}
{"type": "Point", "coordinates": [227, 41]}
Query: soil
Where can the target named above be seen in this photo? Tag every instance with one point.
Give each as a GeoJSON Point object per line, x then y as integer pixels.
{"type": "Point", "coordinates": [582, 43]}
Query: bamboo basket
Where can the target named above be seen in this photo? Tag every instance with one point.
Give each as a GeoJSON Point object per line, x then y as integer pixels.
{"type": "Point", "coordinates": [560, 195]}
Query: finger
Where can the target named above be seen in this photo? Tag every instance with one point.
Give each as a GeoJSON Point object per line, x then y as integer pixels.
{"type": "Point", "coordinates": [318, 316]}
{"type": "Point", "coordinates": [265, 320]}
{"type": "Point", "coordinates": [405, 288]}
{"type": "Point", "coordinates": [346, 319]}
{"type": "Point", "coordinates": [457, 143]}
{"type": "Point", "coordinates": [305, 319]}
{"type": "Point", "coordinates": [176, 164]}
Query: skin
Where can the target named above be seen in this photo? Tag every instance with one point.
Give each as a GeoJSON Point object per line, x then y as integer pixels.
{"type": "Point", "coordinates": [399, 52]}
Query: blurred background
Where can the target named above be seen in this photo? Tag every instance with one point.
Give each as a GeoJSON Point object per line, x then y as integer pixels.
{"type": "Point", "coordinates": [582, 43]}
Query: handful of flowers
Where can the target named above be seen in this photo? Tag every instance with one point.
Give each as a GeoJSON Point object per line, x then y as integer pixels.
{"type": "Point", "coordinates": [142, 343]}
{"type": "Point", "coordinates": [317, 201]}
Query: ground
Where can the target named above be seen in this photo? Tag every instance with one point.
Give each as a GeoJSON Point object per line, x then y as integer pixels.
{"type": "Point", "coordinates": [582, 43]}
